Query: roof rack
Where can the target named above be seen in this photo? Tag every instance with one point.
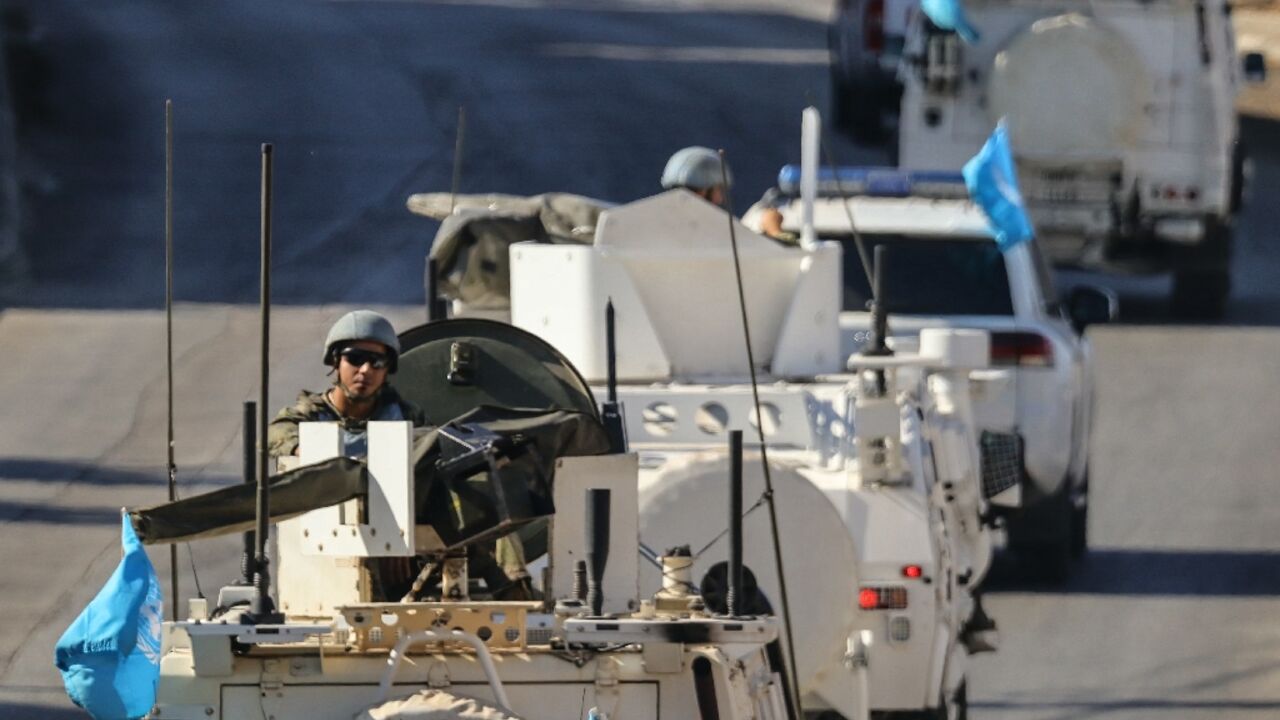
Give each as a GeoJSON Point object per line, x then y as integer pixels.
{"type": "Point", "coordinates": [877, 182]}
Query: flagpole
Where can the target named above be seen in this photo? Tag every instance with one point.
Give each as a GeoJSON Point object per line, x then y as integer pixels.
{"type": "Point", "coordinates": [168, 314]}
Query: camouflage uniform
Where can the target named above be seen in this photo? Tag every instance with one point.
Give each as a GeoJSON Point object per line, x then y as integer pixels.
{"type": "Point", "coordinates": [282, 434]}
{"type": "Point", "coordinates": [502, 564]}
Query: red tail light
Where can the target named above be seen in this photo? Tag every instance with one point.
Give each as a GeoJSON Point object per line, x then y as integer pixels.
{"type": "Point", "coordinates": [912, 571]}
{"type": "Point", "coordinates": [885, 597]}
{"type": "Point", "coordinates": [1023, 349]}
{"type": "Point", "coordinates": [873, 26]}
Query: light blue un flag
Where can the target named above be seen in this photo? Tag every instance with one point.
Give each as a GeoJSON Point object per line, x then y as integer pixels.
{"type": "Point", "coordinates": [992, 181]}
{"type": "Point", "coordinates": [949, 15]}
{"type": "Point", "coordinates": [110, 656]}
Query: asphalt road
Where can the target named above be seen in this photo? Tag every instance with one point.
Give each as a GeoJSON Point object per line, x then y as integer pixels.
{"type": "Point", "coordinates": [1172, 614]}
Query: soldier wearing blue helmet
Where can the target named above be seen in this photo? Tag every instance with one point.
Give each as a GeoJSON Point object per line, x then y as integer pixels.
{"type": "Point", "coordinates": [698, 170]}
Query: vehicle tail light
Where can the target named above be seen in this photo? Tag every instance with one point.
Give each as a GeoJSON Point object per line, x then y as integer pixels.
{"type": "Point", "coordinates": [882, 597]}
{"type": "Point", "coordinates": [1175, 192]}
{"type": "Point", "coordinates": [912, 571]}
{"type": "Point", "coordinates": [1022, 349]}
{"type": "Point", "coordinates": [873, 26]}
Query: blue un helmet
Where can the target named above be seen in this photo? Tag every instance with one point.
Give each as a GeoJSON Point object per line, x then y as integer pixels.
{"type": "Point", "coordinates": [361, 325]}
{"type": "Point", "coordinates": [696, 168]}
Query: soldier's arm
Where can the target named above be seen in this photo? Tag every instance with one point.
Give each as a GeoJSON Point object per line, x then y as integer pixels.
{"type": "Point", "coordinates": [412, 413]}
{"type": "Point", "coordinates": [282, 432]}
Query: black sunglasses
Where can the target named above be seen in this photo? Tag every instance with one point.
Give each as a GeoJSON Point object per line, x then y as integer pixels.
{"type": "Point", "coordinates": [357, 358]}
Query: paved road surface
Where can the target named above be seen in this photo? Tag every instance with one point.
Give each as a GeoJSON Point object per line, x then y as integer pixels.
{"type": "Point", "coordinates": [1173, 613]}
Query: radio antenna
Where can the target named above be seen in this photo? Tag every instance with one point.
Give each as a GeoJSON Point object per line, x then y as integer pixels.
{"type": "Point", "coordinates": [437, 308]}
{"type": "Point", "coordinates": [262, 609]}
{"type": "Point", "coordinates": [863, 256]}
{"type": "Point", "coordinates": [168, 318]}
{"type": "Point", "coordinates": [459, 136]}
{"type": "Point", "coordinates": [764, 453]}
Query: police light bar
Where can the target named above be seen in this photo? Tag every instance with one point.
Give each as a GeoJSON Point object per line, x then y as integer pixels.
{"type": "Point", "coordinates": [877, 182]}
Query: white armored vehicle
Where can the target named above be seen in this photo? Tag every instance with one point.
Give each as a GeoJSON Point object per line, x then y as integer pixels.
{"type": "Point", "coordinates": [521, 438]}
{"type": "Point", "coordinates": [1122, 116]}
{"type": "Point", "coordinates": [869, 462]}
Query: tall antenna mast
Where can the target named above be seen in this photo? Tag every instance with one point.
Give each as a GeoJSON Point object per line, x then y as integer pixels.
{"type": "Point", "coordinates": [459, 136]}
{"type": "Point", "coordinates": [764, 453]}
{"type": "Point", "coordinates": [168, 318]}
{"type": "Point", "coordinates": [262, 609]}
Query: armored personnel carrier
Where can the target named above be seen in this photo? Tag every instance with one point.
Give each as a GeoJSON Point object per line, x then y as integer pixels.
{"type": "Point", "coordinates": [872, 458]}
{"type": "Point", "coordinates": [516, 445]}
{"type": "Point", "coordinates": [716, 329]}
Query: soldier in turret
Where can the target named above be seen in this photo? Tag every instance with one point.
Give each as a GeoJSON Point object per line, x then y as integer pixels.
{"type": "Point", "coordinates": [362, 350]}
{"type": "Point", "coordinates": [700, 171]}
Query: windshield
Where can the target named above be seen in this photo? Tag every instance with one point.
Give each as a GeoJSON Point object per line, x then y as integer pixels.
{"type": "Point", "coordinates": [932, 276]}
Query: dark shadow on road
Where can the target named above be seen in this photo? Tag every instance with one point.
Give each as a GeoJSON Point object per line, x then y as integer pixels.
{"type": "Point", "coordinates": [20, 711]}
{"type": "Point", "coordinates": [58, 470]}
{"type": "Point", "coordinates": [11, 512]}
{"type": "Point", "coordinates": [1152, 572]}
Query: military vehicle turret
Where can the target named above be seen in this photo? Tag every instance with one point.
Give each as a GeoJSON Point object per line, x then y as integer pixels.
{"type": "Point", "coordinates": [516, 445]}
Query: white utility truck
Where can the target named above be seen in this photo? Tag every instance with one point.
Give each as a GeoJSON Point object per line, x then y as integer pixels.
{"type": "Point", "coordinates": [874, 456]}
{"type": "Point", "coordinates": [947, 271]}
{"type": "Point", "coordinates": [1123, 122]}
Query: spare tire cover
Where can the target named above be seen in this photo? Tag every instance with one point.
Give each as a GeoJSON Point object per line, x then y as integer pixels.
{"type": "Point", "coordinates": [687, 502]}
{"type": "Point", "coordinates": [434, 705]}
{"type": "Point", "coordinates": [1070, 86]}
{"type": "Point", "coordinates": [508, 367]}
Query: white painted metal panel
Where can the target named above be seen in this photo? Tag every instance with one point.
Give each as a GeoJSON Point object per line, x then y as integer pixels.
{"type": "Point", "coordinates": [574, 476]}
{"type": "Point", "coordinates": [337, 531]}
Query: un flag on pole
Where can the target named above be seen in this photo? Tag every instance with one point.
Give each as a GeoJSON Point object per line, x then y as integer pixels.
{"type": "Point", "coordinates": [110, 656]}
{"type": "Point", "coordinates": [992, 181]}
{"type": "Point", "coordinates": [949, 15]}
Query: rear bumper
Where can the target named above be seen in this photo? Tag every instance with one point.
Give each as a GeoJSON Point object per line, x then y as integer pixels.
{"type": "Point", "coordinates": [1091, 237]}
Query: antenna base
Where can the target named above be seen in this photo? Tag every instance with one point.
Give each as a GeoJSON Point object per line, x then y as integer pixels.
{"type": "Point", "coordinates": [262, 612]}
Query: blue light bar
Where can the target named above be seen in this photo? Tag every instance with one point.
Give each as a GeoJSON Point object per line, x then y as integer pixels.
{"type": "Point", "coordinates": [876, 182]}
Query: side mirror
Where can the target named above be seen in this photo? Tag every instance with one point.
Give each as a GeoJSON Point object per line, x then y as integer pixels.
{"type": "Point", "coordinates": [1254, 65]}
{"type": "Point", "coordinates": [1089, 305]}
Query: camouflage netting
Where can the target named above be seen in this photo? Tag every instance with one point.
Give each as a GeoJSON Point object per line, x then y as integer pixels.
{"type": "Point", "coordinates": [471, 246]}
